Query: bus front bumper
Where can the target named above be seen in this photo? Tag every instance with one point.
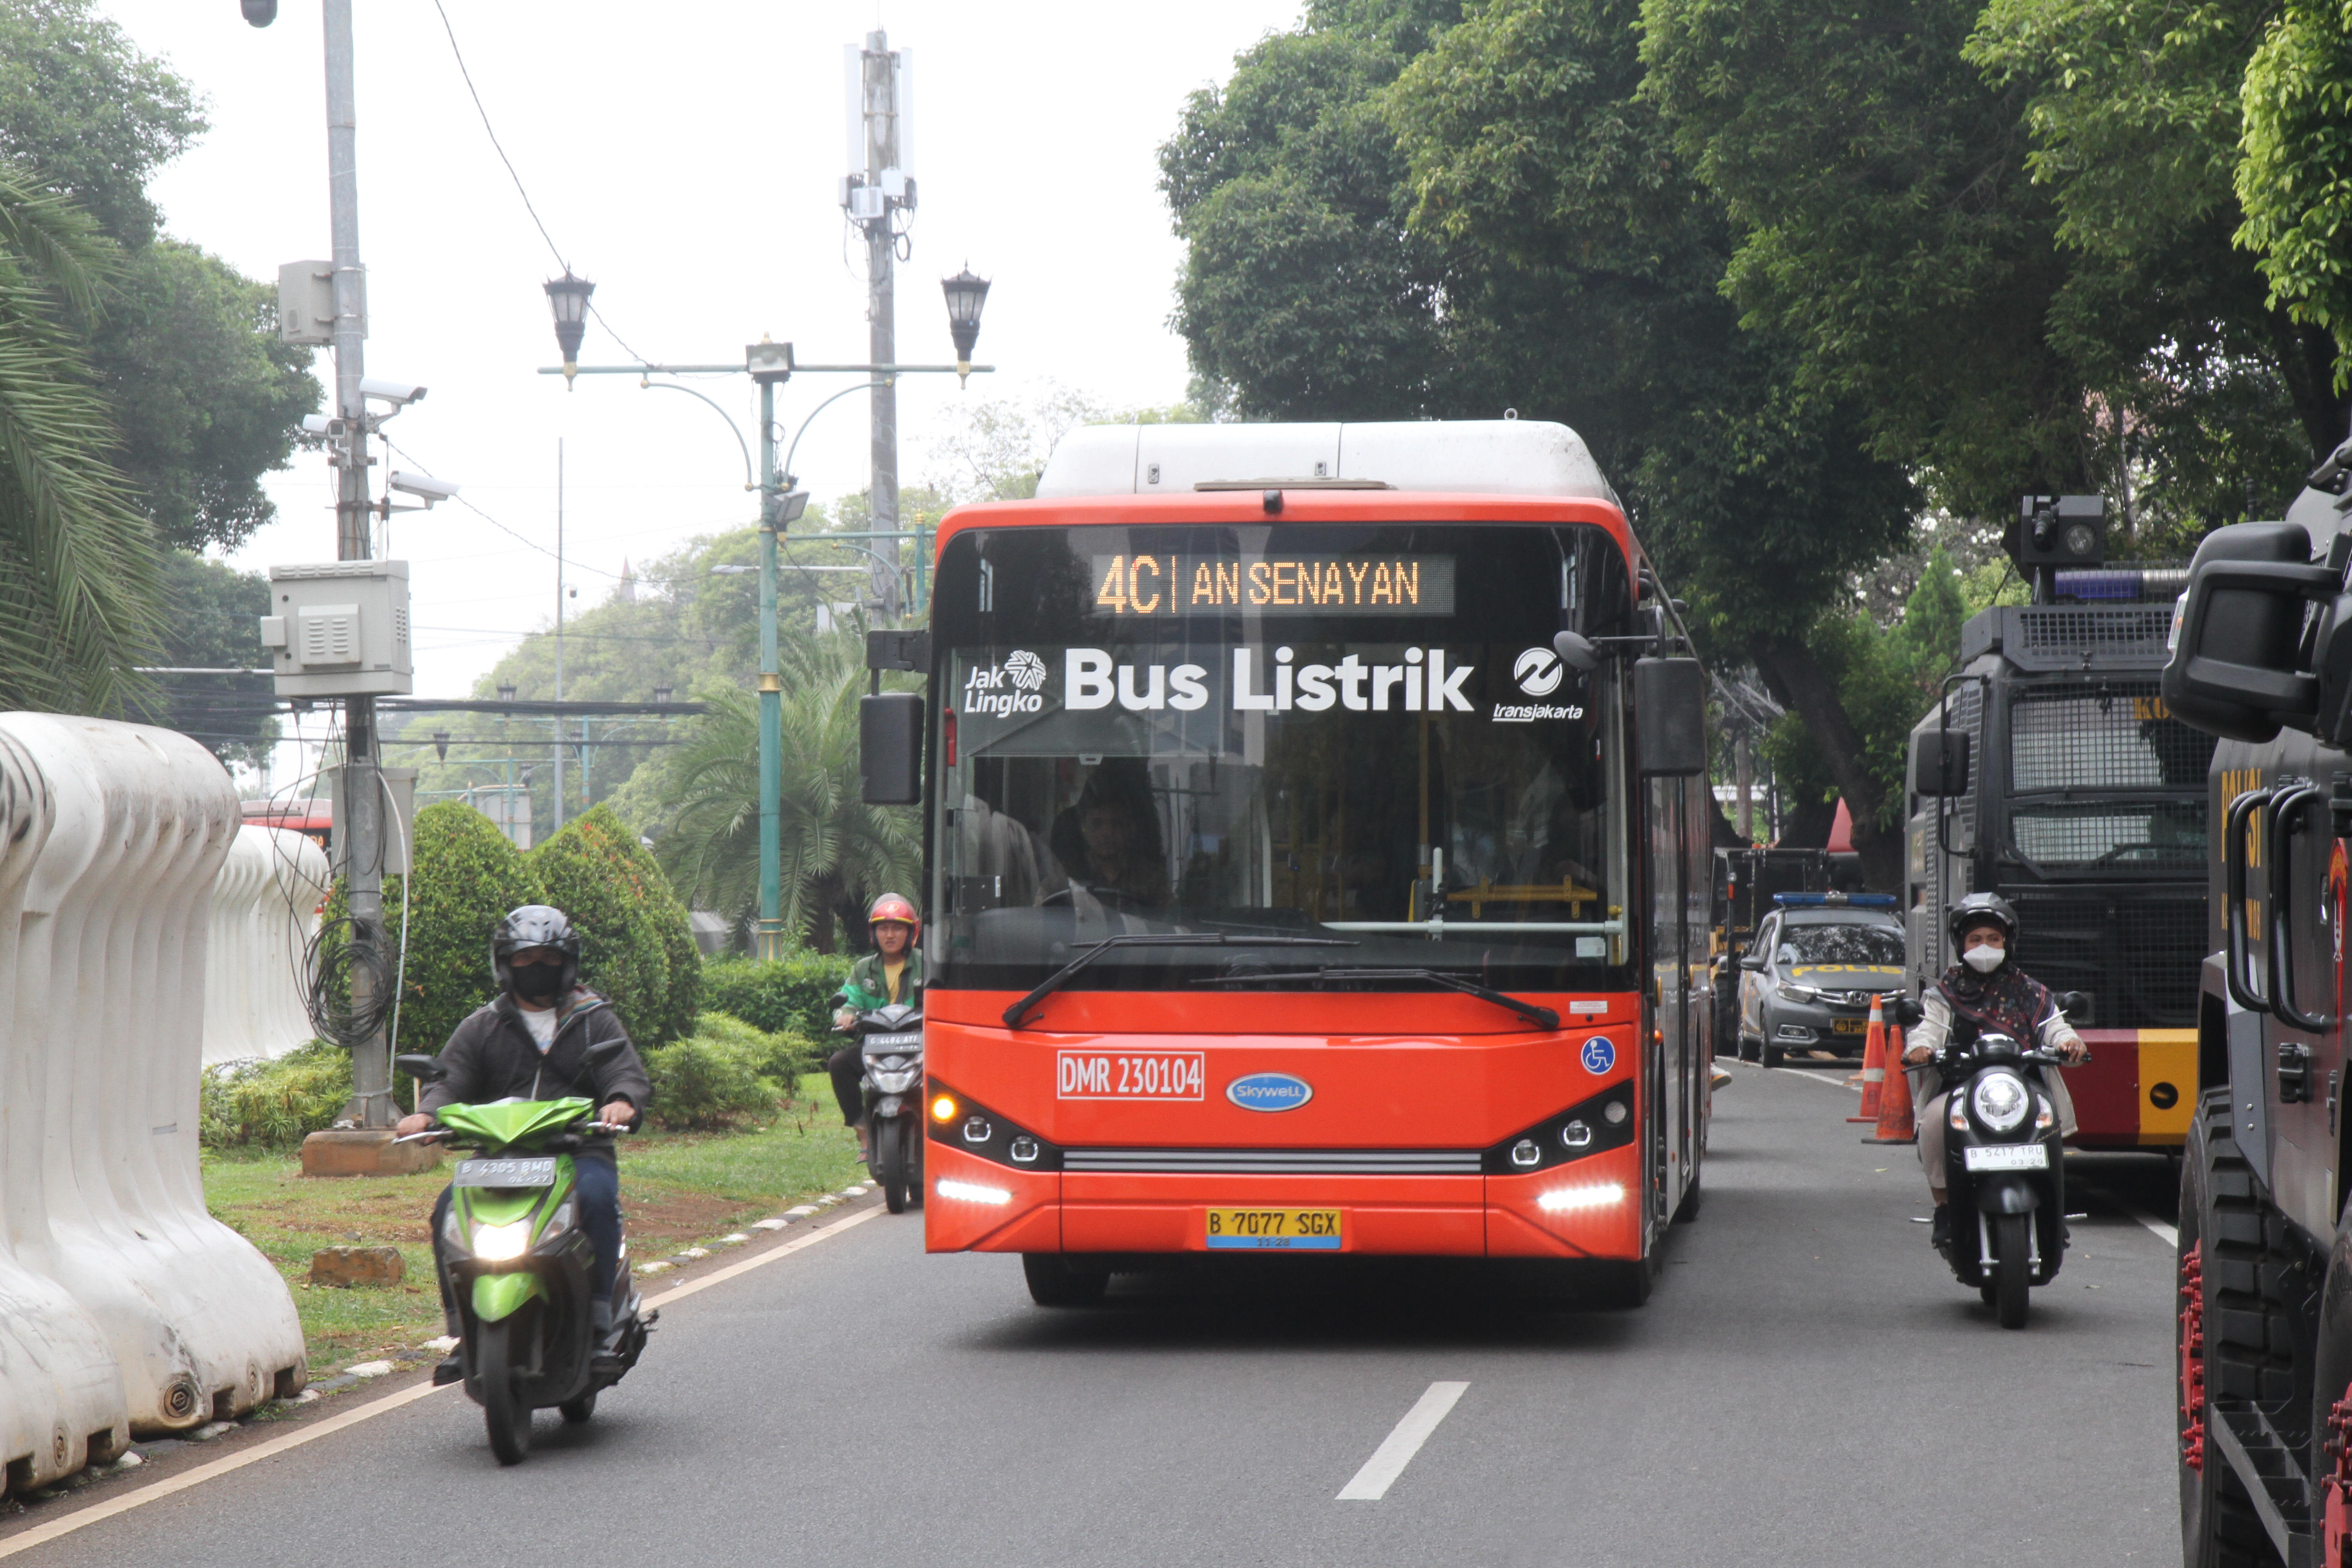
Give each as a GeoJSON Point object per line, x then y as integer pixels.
{"type": "Point", "coordinates": [1590, 1208]}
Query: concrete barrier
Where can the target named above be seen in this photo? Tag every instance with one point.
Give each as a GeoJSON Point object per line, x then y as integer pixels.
{"type": "Point", "coordinates": [265, 906]}
{"type": "Point", "coordinates": [114, 837]}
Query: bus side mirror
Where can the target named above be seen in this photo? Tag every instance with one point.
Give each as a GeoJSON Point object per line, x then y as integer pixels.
{"type": "Point", "coordinates": [1670, 717]}
{"type": "Point", "coordinates": [1939, 761]}
{"type": "Point", "coordinates": [2237, 669]}
{"type": "Point", "coordinates": [891, 748]}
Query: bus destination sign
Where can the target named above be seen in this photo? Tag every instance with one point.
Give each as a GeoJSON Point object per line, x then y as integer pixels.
{"type": "Point", "coordinates": [1156, 586]}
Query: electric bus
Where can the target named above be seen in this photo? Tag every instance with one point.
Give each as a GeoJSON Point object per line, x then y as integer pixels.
{"type": "Point", "coordinates": [1316, 841]}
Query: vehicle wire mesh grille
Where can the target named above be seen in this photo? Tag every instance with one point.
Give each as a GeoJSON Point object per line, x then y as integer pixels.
{"type": "Point", "coordinates": [2102, 734]}
{"type": "Point", "coordinates": [1280, 1162]}
{"type": "Point", "coordinates": [2139, 955]}
{"type": "Point", "coordinates": [2071, 635]}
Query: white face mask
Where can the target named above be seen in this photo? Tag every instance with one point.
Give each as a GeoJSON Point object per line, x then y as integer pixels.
{"type": "Point", "coordinates": [1984, 960]}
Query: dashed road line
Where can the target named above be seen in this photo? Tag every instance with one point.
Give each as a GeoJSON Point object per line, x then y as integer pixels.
{"type": "Point", "coordinates": [1388, 1461]}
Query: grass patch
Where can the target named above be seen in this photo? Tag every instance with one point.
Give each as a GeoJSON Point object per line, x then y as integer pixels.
{"type": "Point", "coordinates": [677, 1189]}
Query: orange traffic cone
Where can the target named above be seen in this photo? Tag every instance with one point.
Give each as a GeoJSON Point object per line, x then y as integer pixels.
{"type": "Point", "coordinates": [1874, 1063]}
{"type": "Point", "coordinates": [1895, 1125]}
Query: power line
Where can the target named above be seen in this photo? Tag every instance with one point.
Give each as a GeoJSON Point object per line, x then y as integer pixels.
{"type": "Point", "coordinates": [493, 521]}
{"type": "Point", "coordinates": [511, 173]}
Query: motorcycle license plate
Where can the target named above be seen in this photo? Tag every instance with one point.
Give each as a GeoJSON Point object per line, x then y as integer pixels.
{"type": "Point", "coordinates": [883, 1044]}
{"type": "Point", "coordinates": [1849, 1026]}
{"type": "Point", "coordinates": [504, 1174]}
{"type": "Point", "coordinates": [1273, 1230]}
{"type": "Point", "coordinates": [2006, 1157]}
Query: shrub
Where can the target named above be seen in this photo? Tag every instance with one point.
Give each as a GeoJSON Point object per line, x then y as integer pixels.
{"type": "Point", "coordinates": [781, 1054]}
{"type": "Point", "coordinates": [273, 1104]}
{"type": "Point", "coordinates": [636, 947]}
{"type": "Point", "coordinates": [726, 1072]}
{"type": "Point", "coordinates": [468, 874]}
{"type": "Point", "coordinates": [783, 996]}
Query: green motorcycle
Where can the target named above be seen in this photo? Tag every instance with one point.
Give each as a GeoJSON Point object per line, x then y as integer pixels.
{"type": "Point", "coordinates": [520, 1266]}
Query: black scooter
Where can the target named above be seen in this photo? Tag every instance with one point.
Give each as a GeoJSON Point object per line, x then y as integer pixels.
{"type": "Point", "coordinates": [2004, 1173]}
{"type": "Point", "coordinates": [890, 1051]}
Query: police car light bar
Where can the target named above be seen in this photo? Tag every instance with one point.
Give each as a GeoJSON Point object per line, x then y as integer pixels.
{"type": "Point", "coordinates": [1835, 901]}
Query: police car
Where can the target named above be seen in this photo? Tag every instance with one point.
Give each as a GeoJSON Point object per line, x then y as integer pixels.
{"type": "Point", "coordinates": [1806, 979]}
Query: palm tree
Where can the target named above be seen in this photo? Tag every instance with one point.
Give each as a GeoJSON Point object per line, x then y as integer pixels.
{"type": "Point", "coordinates": [837, 851]}
{"type": "Point", "coordinates": [79, 566]}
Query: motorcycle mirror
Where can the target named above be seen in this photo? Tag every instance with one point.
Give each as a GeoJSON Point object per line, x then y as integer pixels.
{"type": "Point", "coordinates": [422, 1068]}
{"type": "Point", "coordinates": [1905, 1012]}
{"type": "Point", "coordinates": [600, 1053]}
{"type": "Point", "coordinates": [2075, 1005]}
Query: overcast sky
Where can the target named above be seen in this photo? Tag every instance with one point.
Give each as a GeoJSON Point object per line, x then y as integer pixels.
{"type": "Point", "coordinates": [684, 157]}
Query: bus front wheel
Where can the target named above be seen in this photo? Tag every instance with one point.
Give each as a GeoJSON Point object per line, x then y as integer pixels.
{"type": "Point", "coordinates": [1056, 1281]}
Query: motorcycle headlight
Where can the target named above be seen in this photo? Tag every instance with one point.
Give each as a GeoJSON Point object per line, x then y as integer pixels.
{"type": "Point", "coordinates": [900, 1082]}
{"type": "Point", "coordinates": [1958, 1117]}
{"type": "Point", "coordinates": [2000, 1102]}
{"type": "Point", "coordinates": [557, 1224]}
{"type": "Point", "coordinates": [501, 1243]}
{"type": "Point", "coordinates": [1797, 993]}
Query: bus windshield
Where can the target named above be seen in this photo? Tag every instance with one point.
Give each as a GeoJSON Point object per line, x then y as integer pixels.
{"type": "Point", "coordinates": [1353, 732]}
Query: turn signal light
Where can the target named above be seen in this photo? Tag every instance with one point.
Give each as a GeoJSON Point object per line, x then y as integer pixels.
{"type": "Point", "coordinates": [943, 1108]}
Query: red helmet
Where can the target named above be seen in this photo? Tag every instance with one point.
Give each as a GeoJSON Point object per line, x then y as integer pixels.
{"type": "Point", "coordinates": [892, 907]}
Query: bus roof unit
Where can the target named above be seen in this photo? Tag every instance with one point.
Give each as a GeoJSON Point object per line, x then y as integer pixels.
{"type": "Point", "coordinates": [1466, 457]}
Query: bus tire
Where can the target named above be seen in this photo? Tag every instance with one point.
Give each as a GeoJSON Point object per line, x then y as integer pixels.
{"type": "Point", "coordinates": [1615, 1284]}
{"type": "Point", "coordinates": [2218, 1266]}
{"type": "Point", "coordinates": [1055, 1281]}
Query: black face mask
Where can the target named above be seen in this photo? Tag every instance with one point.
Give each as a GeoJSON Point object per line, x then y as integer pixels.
{"type": "Point", "coordinates": [536, 981]}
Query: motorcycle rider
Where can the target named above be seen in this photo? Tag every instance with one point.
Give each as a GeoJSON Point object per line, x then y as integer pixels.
{"type": "Point", "coordinates": [892, 973]}
{"type": "Point", "coordinates": [530, 1043]}
{"type": "Point", "coordinates": [1983, 994]}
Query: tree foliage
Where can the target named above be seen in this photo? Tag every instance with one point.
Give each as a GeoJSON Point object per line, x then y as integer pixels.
{"type": "Point", "coordinates": [635, 949]}
{"type": "Point", "coordinates": [468, 876]}
{"type": "Point", "coordinates": [2295, 182]}
{"type": "Point", "coordinates": [211, 620]}
{"type": "Point", "coordinates": [78, 565]}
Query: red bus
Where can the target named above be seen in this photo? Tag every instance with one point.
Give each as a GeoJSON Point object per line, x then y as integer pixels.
{"type": "Point", "coordinates": [1294, 884]}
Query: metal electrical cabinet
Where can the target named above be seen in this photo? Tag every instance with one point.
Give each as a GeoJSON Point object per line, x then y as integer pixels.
{"type": "Point", "coordinates": [339, 629]}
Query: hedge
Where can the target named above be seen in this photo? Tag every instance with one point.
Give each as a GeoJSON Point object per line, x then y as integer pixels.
{"type": "Point", "coordinates": [273, 1104]}
{"type": "Point", "coordinates": [793, 996]}
{"type": "Point", "coordinates": [636, 949]}
{"type": "Point", "coordinates": [469, 875]}
{"type": "Point", "coordinates": [727, 1072]}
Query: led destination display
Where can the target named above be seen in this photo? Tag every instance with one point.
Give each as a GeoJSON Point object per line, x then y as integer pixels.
{"type": "Point", "coordinates": [1156, 586]}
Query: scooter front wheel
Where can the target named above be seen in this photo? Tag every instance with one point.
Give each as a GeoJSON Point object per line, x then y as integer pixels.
{"type": "Point", "coordinates": [506, 1416]}
{"type": "Point", "coordinates": [2011, 1244]}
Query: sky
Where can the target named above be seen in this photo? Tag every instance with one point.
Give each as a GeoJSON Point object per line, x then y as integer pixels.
{"type": "Point", "coordinates": [684, 158]}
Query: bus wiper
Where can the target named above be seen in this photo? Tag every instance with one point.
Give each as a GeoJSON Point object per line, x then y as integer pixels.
{"type": "Point", "coordinates": [1540, 1017]}
{"type": "Point", "coordinates": [1054, 982]}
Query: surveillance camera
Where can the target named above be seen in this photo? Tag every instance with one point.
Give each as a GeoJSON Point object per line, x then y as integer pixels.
{"type": "Point", "coordinates": [432, 490]}
{"type": "Point", "coordinates": [318, 425]}
{"type": "Point", "coordinates": [399, 393]}
{"type": "Point", "coordinates": [259, 12]}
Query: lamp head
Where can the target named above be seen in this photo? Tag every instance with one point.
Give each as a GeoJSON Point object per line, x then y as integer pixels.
{"type": "Point", "coordinates": [567, 298]}
{"type": "Point", "coordinates": [966, 294]}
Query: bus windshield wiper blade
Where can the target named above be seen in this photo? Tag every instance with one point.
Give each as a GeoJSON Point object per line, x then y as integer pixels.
{"type": "Point", "coordinates": [1540, 1017]}
{"type": "Point", "coordinates": [1054, 982]}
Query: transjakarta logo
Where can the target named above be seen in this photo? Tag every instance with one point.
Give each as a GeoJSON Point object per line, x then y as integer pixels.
{"type": "Point", "coordinates": [1422, 683]}
{"type": "Point", "coordinates": [1537, 672]}
{"type": "Point", "coordinates": [1016, 685]}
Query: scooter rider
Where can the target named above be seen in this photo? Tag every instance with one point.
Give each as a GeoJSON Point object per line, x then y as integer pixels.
{"type": "Point", "coordinates": [1983, 994]}
{"type": "Point", "coordinates": [531, 1044]}
{"type": "Point", "coordinates": [893, 972]}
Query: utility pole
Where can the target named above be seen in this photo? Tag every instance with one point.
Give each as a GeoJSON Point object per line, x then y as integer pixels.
{"type": "Point", "coordinates": [769, 940]}
{"type": "Point", "coordinates": [1743, 781]}
{"type": "Point", "coordinates": [879, 188]}
{"type": "Point", "coordinates": [360, 835]}
{"type": "Point", "coordinates": [559, 631]}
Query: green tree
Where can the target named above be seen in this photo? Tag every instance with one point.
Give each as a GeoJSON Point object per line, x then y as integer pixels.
{"type": "Point", "coordinates": [204, 397]}
{"type": "Point", "coordinates": [468, 876]}
{"type": "Point", "coordinates": [2295, 182]}
{"type": "Point", "coordinates": [837, 851]}
{"type": "Point", "coordinates": [78, 565]}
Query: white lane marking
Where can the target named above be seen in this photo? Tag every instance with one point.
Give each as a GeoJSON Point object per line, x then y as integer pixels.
{"type": "Point", "coordinates": [1821, 1078]}
{"type": "Point", "coordinates": [2168, 1235]}
{"type": "Point", "coordinates": [1388, 1461]}
{"type": "Point", "coordinates": [42, 1533]}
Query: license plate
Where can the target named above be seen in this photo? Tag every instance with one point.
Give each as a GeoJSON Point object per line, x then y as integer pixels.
{"type": "Point", "coordinates": [504, 1174]}
{"type": "Point", "coordinates": [1849, 1026]}
{"type": "Point", "coordinates": [2006, 1157]}
{"type": "Point", "coordinates": [882, 1044]}
{"type": "Point", "coordinates": [1273, 1230]}
{"type": "Point", "coordinates": [1129, 1075]}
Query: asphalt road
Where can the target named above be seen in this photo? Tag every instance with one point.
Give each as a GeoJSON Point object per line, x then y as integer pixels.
{"type": "Point", "coordinates": [1807, 1386]}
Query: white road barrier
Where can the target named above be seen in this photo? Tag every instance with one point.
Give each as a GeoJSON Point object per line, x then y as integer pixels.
{"type": "Point", "coordinates": [265, 909]}
{"type": "Point", "coordinates": [113, 836]}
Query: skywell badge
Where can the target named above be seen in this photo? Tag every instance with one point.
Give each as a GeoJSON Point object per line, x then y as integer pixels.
{"type": "Point", "coordinates": [1269, 1091]}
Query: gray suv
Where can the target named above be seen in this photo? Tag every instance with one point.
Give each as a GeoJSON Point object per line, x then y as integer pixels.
{"type": "Point", "coordinates": [1806, 981]}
